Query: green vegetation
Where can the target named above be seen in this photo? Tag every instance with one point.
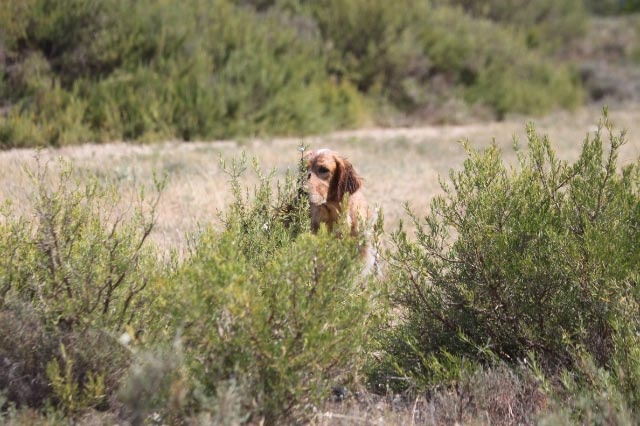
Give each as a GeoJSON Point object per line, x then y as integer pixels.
{"type": "Point", "coordinates": [514, 303]}
{"type": "Point", "coordinates": [259, 322]}
{"type": "Point", "coordinates": [83, 70]}
{"type": "Point", "coordinates": [533, 265]}
{"type": "Point", "coordinates": [613, 7]}
{"type": "Point", "coordinates": [72, 275]}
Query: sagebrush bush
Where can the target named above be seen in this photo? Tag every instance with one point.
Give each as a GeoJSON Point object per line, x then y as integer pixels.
{"type": "Point", "coordinates": [78, 257]}
{"type": "Point", "coordinates": [546, 24]}
{"type": "Point", "coordinates": [73, 277]}
{"type": "Point", "coordinates": [74, 71]}
{"type": "Point", "coordinates": [539, 259]}
{"type": "Point", "coordinates": [283, 313]}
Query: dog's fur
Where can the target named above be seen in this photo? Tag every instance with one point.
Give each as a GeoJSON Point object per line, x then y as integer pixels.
{"type": "Point", "coordinates": [330, 177]}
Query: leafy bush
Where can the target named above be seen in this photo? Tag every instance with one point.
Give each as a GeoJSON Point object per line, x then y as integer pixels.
{"type": "Point", "coordinates": [81, 70]}
{"type": "Point", "coordinates": [76, 222]}
{"type": "Point", "coordinates": [288, 331]}
{"type": "Point", "coordinates": [541, 259]}
{"type": "Point", "coordinates": [281, 314]}
{"type": "Point", "coordinates": [72, 278]}
{"type": "Point", "coordinates": [417, 55]}
{"type": "Point", "coordinates": [545, 23]}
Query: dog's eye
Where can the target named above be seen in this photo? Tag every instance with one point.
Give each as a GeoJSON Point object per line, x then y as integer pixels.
{"type": "Point", "coordinates": [323, 169]}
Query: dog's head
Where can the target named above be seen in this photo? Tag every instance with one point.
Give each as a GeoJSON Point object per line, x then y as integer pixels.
{"type": "Point", "coordinates": [329, 177]}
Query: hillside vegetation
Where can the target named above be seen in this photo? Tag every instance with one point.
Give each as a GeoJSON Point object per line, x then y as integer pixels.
{"type": "Point", "coordinates": [73, 71]}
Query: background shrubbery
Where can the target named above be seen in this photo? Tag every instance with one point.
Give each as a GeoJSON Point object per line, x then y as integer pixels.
{"type": "Point", "coordinates": [82, 70]}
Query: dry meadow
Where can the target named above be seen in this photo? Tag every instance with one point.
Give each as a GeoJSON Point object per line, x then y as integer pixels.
{"type": "Point", "coordinates": [398, 164]}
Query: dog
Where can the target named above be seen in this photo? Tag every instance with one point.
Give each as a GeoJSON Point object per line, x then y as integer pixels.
{"type": "Point", "coordinates": [330, 177]}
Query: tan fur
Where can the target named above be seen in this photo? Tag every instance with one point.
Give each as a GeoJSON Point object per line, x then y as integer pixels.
{"type": "Point", "coordinates": [330, 177]}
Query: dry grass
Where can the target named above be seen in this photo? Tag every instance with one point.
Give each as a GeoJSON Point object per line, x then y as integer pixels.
{"type": "Point", "coordinates": [400, 164]}
{"type": "Point", "coordinates": [490, 396]}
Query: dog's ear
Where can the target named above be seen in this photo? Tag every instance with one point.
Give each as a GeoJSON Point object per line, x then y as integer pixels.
{"type": "Point", "coordinates": [344, 179]}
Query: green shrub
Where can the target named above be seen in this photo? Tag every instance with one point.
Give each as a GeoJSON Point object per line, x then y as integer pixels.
{"type": "Point", "coordinates": [539, 259]}
{"type": "Point", "coordinates": [417, 55]}
{"type": "Point", "coordinates": [78, 257]}
{"type": "Point", "coordinates": [73, 278]}
{"type": "Point", "coordinates": [546, 24]}
{"type": "Point", "coordinates": [290, 330]}
{"type": "Point", "coordinates": [281, 314]}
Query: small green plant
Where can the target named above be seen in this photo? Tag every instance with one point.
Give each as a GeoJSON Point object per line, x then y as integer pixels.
{"type": "Point", "coordinates": [67, 391]}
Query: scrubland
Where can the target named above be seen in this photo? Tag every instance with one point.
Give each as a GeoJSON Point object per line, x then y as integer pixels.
{"type": "Point", "coordinates": [162, 283]}
{"type": "Point", "coordinates": [156, 261]}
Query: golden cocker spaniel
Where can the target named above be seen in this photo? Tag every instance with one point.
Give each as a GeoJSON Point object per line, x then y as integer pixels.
{"type": "Point", "coordinates": [330, 177]}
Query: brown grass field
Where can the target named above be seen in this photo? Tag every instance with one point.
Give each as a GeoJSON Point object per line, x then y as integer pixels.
{"type": "Point", "coordinates": [398, 164]}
